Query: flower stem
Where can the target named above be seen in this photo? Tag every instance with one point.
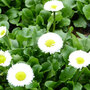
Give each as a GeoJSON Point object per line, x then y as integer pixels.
{"type": "Point", "coordinates": [54, 21]}
{"type": "Point", "coordinates": [79, 74]}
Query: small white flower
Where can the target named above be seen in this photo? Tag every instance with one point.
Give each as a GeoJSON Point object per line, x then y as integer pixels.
{"type": "Point", "coordinates": [2, 31]}
{"type": "Point", "coordinates": [20, 74]}
{"type": "Point", "coordinates": [79, 59]}
{"type": "Point", "coordinates": [5, 58]}
{"type": "Point", "coordinates": [50, 42]}
{"type": "Point", "coordinates": [53, 5]}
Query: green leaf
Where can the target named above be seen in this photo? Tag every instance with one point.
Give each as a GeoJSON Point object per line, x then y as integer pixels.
{"type": "Point", "coordinates": [76, 42]}
{"type": "Point", "coordinates": [38, 8]}
{"type": "Point", "coordinates": [64, 22]}
{"type": "Point", "coordinates": [27, 16]}
{"type": "Point", "coordinates": [50, 22]}
{"type": "Point", "coordinates": [39, 20]}
{"type": "Point", "coordinates": [17, 58]}
{"type": "Point", "coordinates": [34, 84]}
{"type": "Point", "coordinates": [0, 10]}
{"type": "Point", "coordinates": [29, 3]}
{"type": "Point", "coordinates": [79, 6]}
{"type": "Point", "coordinates": [67, 12]}
{"type": "Point", "coordinates": [4, 23]}
{"type": "Point", "coordinates": [12, 13]}
{"type": "Point", "coordinates": [1, 88]}
{"type": "Point", "coordinates": [7, 41]}
{"type": "Point", "coordinates": [58, 16]}
{"type": "Point", "coordinates": [69, 3]}
{"type": "Point", "coordinates": [37, 68]}
{"type": "Point", "coordinates": [14, 43]}
{"type": "Point", "coordinates": [64, 88]}
{"type": "Point", "coordinates": [56, 65]}
{"type": "Point", "coordinates": [37, 1]}
{"type": "Point", "coordinates": [87, 86]}
{"type": "Point", "coordinates": [15, 20]}
{"type": "Point", "coordinates": [51, 74]}
{"type": "Point", "coordinates": [86, 11]}
{"type": "Point", "coordinates": [27, 51]}
{"type": "Point", "coordinates": [77, 86]}
{"type": "Point", "coordinates": [87, 72]}
{"type": "Point", "coordinates": [18, 3]}
{"type": "Point", "coordinates": [81, 35]}
{"type": "Point", "coordinates": [33, 61]}
{"type": "Point", "coordinates": [66, 52]}
{"type": "Point", "coordinates": [83, 1]}
{"type": "Point", "coordinates": [37, 72]}
{"type": "Point", "coordinates": [85, 42]}
{"type": "Point", "coordinates": [46, 66]}
{"type": "Point", "coordinates": [6, 2]}
{"type": "Point", "coordinates": [80, 22]}
{"type": "Point", "coordinates": [67, 74]}
{"type": "Point", "coordinates": [61, 33]}
{"type": "Point", "coordinates": [50, 84]}
{"type": "Point", "coordinates": [20, 39]}
{"type": "Point", "coordinates": [45, 15]}
{"type": "Point", "coordinates": [3, 17]}
{"type": "Point", "coordinates": [18, 88]}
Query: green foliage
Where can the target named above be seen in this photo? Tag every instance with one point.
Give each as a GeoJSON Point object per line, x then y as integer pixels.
{"type": "Point", "coordinates": [67, 12]}
{"type": "Point", "coordinates": [86, 9]}
{"type": "Point", "coordinates": [33, 86]}
{"type": "Point", "coordinates": [69, 3]}
{"type": "Point", "coordinates": [26, 21]}
{"type": "Point", "coordinates": [50, 22]}
{"type": "Point", "coordinates": [80, 22]}
{"type": "Point", "coordinates": [67, 74]}
{"type": "Point", "coordinates": [76, 42]}
{"type": "Point", "coordinates": [50, 84]}
{"type": "Point", "coordinates": [65, 22]}
{"type": "Point", "coordinates": [27, 16]}
{"type": "Point", "coordinates": [77, 86]}
{"type": "Point", "coordinates": [66, 52]}
{"type": "Point", "coordinates": [87, 86]}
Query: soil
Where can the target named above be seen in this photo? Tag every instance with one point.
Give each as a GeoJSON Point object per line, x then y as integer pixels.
{"type": "Point", "coordinates": [85, 31]}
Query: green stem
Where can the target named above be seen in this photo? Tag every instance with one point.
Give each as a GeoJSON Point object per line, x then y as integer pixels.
{"type": "Point", "coordinates": [54, 21]}
{"type": "Point", "coordinates": [79, 74]}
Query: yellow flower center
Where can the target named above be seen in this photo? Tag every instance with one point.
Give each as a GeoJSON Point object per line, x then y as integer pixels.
{"type": "Point", "coordinates": [53, 6]}
{"type": "Point", "coordinates": [2, 59]}
{"type": "Point", "coordinates": [20, 76]}
{"type": "Point", "coordinates": [2, 32]}
{"type": "Point", "coordinates": [80, 60]}
{"type": "Point", "coordinates": [50, 43]}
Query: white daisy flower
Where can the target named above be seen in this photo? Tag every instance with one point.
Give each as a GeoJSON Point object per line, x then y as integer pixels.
{"type": "Point", "coordinates": [2, 31]}
{"type": "Point", "coordinates": [20, 74]}
{"type": "Point", "coordinates": [5, 58]}
{"type": "Point", "coordinates": [53, 5]}
{"type": "Point", "coordinates": [79, 59]}
{"type": "Point", "coordinates": [50, 42]}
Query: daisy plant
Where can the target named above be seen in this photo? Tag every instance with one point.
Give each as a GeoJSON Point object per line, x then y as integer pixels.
{"type": "Point", "coordinates": [53, 6]}
{"type": "Point", "coordinates": [5, 58]}
{"type": "Point", "coordinates": [79, 59]}
{"type": "Point", "coordinates": [2, 31]}
{"type": "Point", "coordinates": [50, 43]}
{"type": "Point", "coordinates": [4, 36]}
{"type": "Point", "coordinates": [20, 74]}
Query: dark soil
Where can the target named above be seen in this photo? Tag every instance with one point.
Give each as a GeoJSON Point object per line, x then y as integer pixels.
{"type": "Point", "coordinates": [85, 31]}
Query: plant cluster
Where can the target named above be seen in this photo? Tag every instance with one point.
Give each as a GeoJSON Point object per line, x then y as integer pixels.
{"type": "Point", "coordinates": [38, 50]}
